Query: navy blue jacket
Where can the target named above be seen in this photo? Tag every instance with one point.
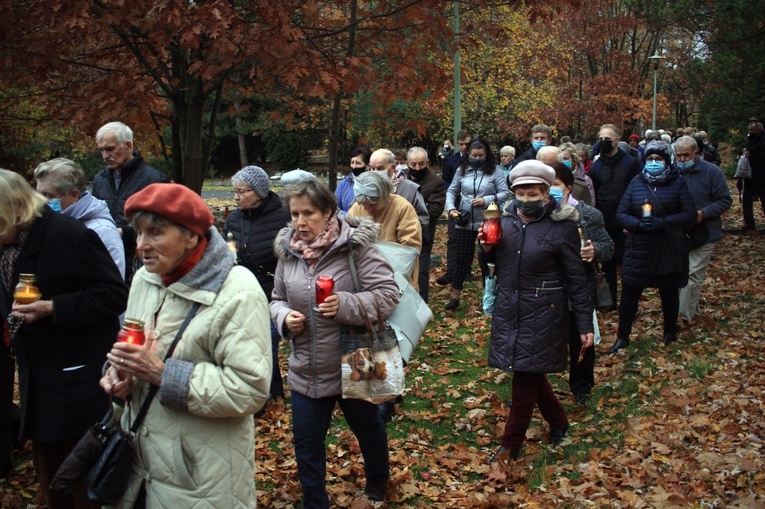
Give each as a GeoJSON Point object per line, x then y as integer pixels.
{"type": "Point", "coordinates": [710, 193]}
{"type": "Point", "coordinates": [610, 176]}
{"type": "Point", "coordinates": [449, 168]}
{"type": "Point", "coordinates": [254, 231]}
{"type": "Point", "coordinates": [676, 208]}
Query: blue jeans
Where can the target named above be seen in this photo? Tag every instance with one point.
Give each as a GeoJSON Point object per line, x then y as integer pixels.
{"type": "Point", "coordinates": [310, 422]}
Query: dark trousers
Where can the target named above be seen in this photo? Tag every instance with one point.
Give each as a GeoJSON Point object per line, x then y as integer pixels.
{"type": "Point", "coordinates": [750, 189]}
{"type": "Point", "coordinates": [531, 390]}
{"type": "Point", "coordinates": [428, 236]}
{"type": "Point", "coordinates": [451, 248]}
{"type": "Point", "coordinates": [7, 367]}
{"type": "Point", "coordinates": [310, 422]}
{"type": "Point", "coordinates": [277, 385]}
{"type": "Point", "coordinates": [465, 250]}
{"type": "Point", "coordinates": [47, 457]}
{"type": "Point", "coordinates": [670, 306]}
{"type": "Point", "coordinates": [581, 377]}
{"type": "Point", "coordinates": [611, 266]}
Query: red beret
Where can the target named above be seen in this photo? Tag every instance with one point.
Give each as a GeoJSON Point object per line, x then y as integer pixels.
{"type": "Point", "coordinates": [177, 203]}
{"type": "Point", "coordinates": [634, 137]}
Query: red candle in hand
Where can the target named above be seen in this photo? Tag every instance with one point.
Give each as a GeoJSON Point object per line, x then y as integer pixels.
{"type": "Point", "coordinates": [325, 285]}
{"type": "Point", "coordinates": [491, 226]}
{"type": "Point", "coordinates": [132, 332]}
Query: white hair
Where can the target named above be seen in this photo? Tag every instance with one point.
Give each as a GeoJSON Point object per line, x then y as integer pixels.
{"type": "Point", "coordinates": [686, 141]}
{"type": "Point", "coordinates": [385, 154]}
{"type": "Point", "coordinates": [63, 174]}
{"type": "Point", "coordinates": [414, 151]}
{"type": "Point", "coordinates": [667, 138]}
{"type": "Point", "coordinates": [507, 149]}
{"type": "Point", "coordinates": [121, 132]}
{"type": "Point", "coordinates": [549, 149]}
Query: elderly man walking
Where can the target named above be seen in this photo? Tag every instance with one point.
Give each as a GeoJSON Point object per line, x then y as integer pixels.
{"type": "Point", "coordinates": [711, 195]}
{"type": "Point", "coordinates": [125, 174]}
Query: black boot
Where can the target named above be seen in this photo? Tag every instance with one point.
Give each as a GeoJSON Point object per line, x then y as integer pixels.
{"type": "Point", "coordinates": [512, 454]}
{"type": "Point", "coordinates": [558, 434]}
{"type": "Point", "coordinates": [620, 343]}
{"type": "Point", "coordinates": [387, 410]}
{"type": "Point", "coordinates": [669, 337]}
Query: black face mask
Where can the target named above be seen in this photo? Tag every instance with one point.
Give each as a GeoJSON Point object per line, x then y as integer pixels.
{"type": "Point", "coordinates": [417, 174]}
{"type": "Point", "coordinates": [476, 163]}
{"type": "Point", "coordinates": [529, 208]}
{"type": "Point", "coordinates": [358, 171]}
{"type": "Point", "coordinates": [606, 146]}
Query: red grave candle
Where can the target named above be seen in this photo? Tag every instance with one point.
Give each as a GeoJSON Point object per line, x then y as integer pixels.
{"type": "Point", "coordinates": [132, 332]}
{"type": "Point", "coordinates": [325, 285]}
{"type": "Point", "coordinates": [492, 227]}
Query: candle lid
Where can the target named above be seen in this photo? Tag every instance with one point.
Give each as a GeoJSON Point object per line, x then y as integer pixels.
{"type": "Point", "coordinates": [133, 324]}
{"type": "Point", "coordinates": [492, 212]}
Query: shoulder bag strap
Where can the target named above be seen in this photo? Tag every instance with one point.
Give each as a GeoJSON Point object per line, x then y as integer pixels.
{"type": "Point", "coordinates": [658, 201]}
{"type": "Point", "coordinates": [154, 388]}
{"type": "Point", "coordinates": [354, 273]}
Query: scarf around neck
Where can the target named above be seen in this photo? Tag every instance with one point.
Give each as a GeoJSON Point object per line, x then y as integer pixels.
{"type": "Point", "coordinates": [312, 251]}
{"type": "Point", "coordinates": [187, 264]}
{"type": "Point", "coordinates": [659, 178]}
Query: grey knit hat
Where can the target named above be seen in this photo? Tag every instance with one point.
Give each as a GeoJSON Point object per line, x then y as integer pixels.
{"type": "Point", "coordinates": [255, 177]}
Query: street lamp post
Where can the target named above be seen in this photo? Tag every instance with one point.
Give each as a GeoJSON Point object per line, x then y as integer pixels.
{"type": "Point", "coordinates": [655, 59]}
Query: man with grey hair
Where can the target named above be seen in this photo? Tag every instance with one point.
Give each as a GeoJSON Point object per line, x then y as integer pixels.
{"type": "Point", "coordinates": [711, 195]}
{"type": "Point", "coordinates": [708, 151]}
{"type": "Point", "coordinates": [125, 174]}
{"type": "Point", "coordinates": [383, 162]}
{"type": "Point", "coordinates": [433, 192]}
{"type": "Point", "coordinates": [63, 182]}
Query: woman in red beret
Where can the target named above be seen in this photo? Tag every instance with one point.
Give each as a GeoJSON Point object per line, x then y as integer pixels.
{"type": "Point", "coordinates": [197, 440]}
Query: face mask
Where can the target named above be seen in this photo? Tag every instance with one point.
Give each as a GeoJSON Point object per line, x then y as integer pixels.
{"type": "Point", "coordinates": [556, 193]}
{"type": "Point", "coordinates": [55, 205]}
{"type": "Point", "coordinates": [476, 163]}
{"type": "Point", "coordinates": [538, 144]}
{"type": "Point", "coordinates": [529, 208]}
{"type": "Point", "coordinates": [417, 174]}
{"type": "Point", "coordinates": [654, 167]}
{"type": "Point", "coordinates": [358, 171]}
{"type": "Point", "coordinates": [606, 146]}
{"type": "Point", "coordinates": [383, 174]}
{"type": "Point", "coordinates": [567, 164]}
{"type": "Point", "coordinates": [687, 165]}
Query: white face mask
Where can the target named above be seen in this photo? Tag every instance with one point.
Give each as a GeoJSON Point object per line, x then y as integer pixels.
{"type": "Point", "coordinates": [383, 174]}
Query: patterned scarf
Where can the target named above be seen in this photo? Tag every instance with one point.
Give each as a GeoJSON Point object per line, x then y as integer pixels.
{"type": "Point", "coordinates": [657, 179]}
{"type": "Point", "coordinates": [8, 255]}
{"type": "Point", "coordinates": [312, 251]}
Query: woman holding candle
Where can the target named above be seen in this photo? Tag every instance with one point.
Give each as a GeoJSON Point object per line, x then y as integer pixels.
{"type": "Point", "coordinates": [655, 200]}
{"type": "Point", "coordinates": [254, 224]}
{"type": "Point", "coordinates": [539, 271]}
{"type": "Point", "coordinates": [64, 335]}
{"type": "Point", "coordinates": [320, 242]}
{"type": "Point", "coordinates": [197, 440]}
{"type": "Point", "coordinates": [476, 184]}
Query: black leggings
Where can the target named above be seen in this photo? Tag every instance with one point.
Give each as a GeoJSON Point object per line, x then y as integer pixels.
{"type": "Point", "coordinates": [670, 306]}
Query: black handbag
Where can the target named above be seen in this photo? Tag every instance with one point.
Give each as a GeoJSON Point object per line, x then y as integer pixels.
{"type": "Point", "coordinates": [104, 451]}
{"type": "Point", "coordinates": [697, 236]}
{"type": "Point", "coordinates": [603, 299]}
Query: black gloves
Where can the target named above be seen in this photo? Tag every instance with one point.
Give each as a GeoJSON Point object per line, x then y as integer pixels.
{"type": "Point", "coordinates": [650, 224]}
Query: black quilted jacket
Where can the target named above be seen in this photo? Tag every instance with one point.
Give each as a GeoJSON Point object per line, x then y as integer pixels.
{"type": "Point", "coordinates": [538, 270]}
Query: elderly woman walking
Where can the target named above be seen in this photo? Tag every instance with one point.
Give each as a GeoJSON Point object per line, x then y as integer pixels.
{"type": "Point", "coordinates": [320, 242]}
{"type": "Point", "coordinates": [197, 444]}
{"type": "Point", "coordinates": [254, 225]}
{"type": "Point", "coordinates": [539, 272]}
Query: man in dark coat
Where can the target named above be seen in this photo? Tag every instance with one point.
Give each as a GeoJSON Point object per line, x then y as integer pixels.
{"type": "Point", "coordinates": [62, 342]}
{"type": "Point", "coordinates": [125, 174]}
{"type": "Point", "coordinates": [755, 152]}
{"type": "Point", "coordinates": [434, 193]}
{"type": "Point", "coordinates": [611, 174]}
{"type": "Point", "coordinates": [448, 169]}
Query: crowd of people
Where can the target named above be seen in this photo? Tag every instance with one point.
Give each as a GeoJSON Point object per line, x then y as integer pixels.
{"type": "Point", "coordinates": [645, 212]}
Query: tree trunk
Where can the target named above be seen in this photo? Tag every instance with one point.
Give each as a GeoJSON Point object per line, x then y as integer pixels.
{"type": "Point", "coordinates": [240, 137]}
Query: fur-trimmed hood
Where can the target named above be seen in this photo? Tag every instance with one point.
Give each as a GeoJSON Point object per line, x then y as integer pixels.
{"type": "Point", "coordinates": [357, 232]}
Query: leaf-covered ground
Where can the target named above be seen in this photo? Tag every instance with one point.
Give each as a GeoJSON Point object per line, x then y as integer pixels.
{"type": "Point", "coordinates": [668, 426]}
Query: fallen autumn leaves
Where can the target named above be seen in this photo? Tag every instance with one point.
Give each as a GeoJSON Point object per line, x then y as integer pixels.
{"type": "Point", "coordinates": [677, 426]}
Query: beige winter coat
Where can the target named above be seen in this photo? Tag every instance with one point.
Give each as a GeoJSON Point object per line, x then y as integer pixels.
{"type": "Point", "coordinates": [196, 447]}
{"type": "Point", "coordinates": [314, 364]}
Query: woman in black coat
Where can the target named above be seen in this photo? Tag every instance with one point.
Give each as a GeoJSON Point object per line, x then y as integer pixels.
{"type": "Point", "coordinates": [255, 223]}
{"type": "Point", "coordinates": [672, 207]}
{"type": "Point", "coordinates": [62, 342]}
{"type": "Point", "coordinates": [539, 271]}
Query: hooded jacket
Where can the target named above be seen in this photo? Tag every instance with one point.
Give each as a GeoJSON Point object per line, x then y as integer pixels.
{"type": "Point", "coordinates": [539, 271]}
{"type": "Point", "coordinates": [95, 215]}
{"type": "Point", "coordinates": [196, 446]}
{"type": "Point", "coordinates": [314, 363]}
{"type": "Point", "coordinates": [254, 231]}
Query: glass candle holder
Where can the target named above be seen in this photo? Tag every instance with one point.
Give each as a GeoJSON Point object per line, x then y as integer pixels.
{"type": "Point", "coordinates": [491, 226]}
{"type": "Point", "coordinates": [132, 331]}
{"type": "Point", "coordinates": [26, 291]}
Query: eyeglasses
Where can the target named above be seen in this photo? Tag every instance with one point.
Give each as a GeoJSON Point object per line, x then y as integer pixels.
{"type": "Point", "coordinates": [240, 192]}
